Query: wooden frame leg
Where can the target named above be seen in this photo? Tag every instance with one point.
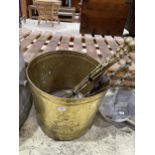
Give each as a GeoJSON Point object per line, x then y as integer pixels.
{"type": "Point", "coordinates": [73, 17]}
{"type": "Point", "coordinates": [58, 20]}
{"type": "Point", "coordinates": [24, 19]}
{"type": "Point", "coordinates": [38, 21]}
{"type": "Point", "coordinates": [30, 12]}
{"type": "Point", "coordinates": [52, 23]}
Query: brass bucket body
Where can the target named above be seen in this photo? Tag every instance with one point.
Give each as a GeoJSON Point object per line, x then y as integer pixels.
{"type": "Point", "coordinates": [62, 118]}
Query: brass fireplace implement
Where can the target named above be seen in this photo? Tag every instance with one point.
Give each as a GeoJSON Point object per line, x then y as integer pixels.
{"type": "Point", "coordinates": [127, 47]}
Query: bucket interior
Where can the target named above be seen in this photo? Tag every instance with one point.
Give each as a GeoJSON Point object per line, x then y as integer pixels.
{"type": "Point", "coordinates": [60, 70]}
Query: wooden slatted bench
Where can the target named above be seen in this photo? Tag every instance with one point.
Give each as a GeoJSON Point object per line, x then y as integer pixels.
{"type": "Point", "coordinates": [99, 47]}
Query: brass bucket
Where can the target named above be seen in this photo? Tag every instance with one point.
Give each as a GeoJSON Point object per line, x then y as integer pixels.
{"type": "Point", "coordinates": [62, 118]}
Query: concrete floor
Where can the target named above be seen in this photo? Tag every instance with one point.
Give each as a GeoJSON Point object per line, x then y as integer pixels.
{"type": "Point", "coordinates": [64, 28]}
{"type": "Point", "coordinates": [102, 139]}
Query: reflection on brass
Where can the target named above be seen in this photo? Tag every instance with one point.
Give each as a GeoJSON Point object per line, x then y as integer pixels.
{"type": "Point", "coordinates": [62, 118]}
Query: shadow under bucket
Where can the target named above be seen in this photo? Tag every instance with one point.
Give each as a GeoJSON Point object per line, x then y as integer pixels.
{"type": "Point", "coordinates": [62, 118]}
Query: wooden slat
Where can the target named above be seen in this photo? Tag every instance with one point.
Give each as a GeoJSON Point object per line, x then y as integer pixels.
{"type": "Point", "coordinates": [132, 56]}
{"type": "Point", "coordinates": [78, 43]}
{"type": "Point", "coordinates": [125, 83]}
{"type": "Point", "coordinates": [119, 40]}
{"type": "Point", "coordinates": [53, 43]}
{"type": "Point", "coordinates": [36, 47]}
{"type": "Point", "coordinates": [114, 67]}
{"type": "Point", "coordinates": [122, 62]}
{"type": "Point", "coordinates": [64, 44]}
{"type": "Point", "coordinates": [28, 40]}
{"type": "Point", "coordinates": [112, 43]}
{"type": "Point", "coordinates": [91, 50]}
{"type": "Point", "coordinates": [24, 33]}
{"type": "Point", "coordinates": [28, 57]}
{"type": "Point", "coordinates": [103, 47]}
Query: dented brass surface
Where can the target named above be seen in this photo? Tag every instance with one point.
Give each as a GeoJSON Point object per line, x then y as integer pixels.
{"type": "Point", "coordinates": [62, 118]}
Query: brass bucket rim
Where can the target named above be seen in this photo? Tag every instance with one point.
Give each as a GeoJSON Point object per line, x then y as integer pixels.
{"type": "Point", "coordinates": [66, 101]}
